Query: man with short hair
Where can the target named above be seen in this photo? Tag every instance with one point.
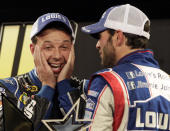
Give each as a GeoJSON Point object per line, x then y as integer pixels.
{"type": "Point", "coordinates": [132, 93]}
{"type": "Point", "coordinates": [36, 92]}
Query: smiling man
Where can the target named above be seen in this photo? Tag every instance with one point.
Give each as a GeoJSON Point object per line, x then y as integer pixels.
{"type": "Point", "coordinates": [35, 93]}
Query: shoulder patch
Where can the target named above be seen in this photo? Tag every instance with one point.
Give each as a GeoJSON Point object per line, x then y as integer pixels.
{"type": "Point", "coordinates": [90, 104]}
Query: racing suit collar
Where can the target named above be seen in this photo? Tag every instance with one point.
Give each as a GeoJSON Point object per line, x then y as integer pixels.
{"type": "Point", "coordinates": [35, 79]}
{"type": "Point", "coordinates": [142, 57]}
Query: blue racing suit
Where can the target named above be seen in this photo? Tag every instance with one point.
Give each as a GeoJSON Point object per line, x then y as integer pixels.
{"type": "Point", "coordinates": [37, 102]}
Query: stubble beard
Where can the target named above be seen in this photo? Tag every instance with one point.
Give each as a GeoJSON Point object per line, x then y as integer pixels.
{"type": "Point", "coordinates": [109, 57]}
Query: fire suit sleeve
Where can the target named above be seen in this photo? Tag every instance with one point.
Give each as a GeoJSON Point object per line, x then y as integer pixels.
{"type": "Point", "coordinates": [100, 105]}
{"type": "Point", "coordinates": [70, 91]}
{"type": "Point", "coordinates": [65, 98]}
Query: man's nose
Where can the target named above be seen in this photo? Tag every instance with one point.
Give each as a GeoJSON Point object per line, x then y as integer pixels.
{"type": "Point", "coordinates": [57, 53]}
{"type": "Point", "coordinates": [98, 45]}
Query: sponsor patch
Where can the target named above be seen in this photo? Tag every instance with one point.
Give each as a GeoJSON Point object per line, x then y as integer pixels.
{"type": "Point", "coordinates": [31, 88]}
{"type": "Point", "coordinates": [90, 104]}
{"type": "Point", "coordinates": [88, 115]}
{"type": "Point", "coordinates": [131, 85]}
{"type": "Point", "coordinates": [93, 93]}
{"type": "Point", "coordinates": [130, 75]}
{"type": "Point", "coordinates": [23, 98]}
{"type": "Point", "coordinates": [28, 110]}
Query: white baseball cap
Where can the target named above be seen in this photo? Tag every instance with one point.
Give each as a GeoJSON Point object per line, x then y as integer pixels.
{"type": "Point", "coordinates": [126, 18]}
{"type": "Point", "coordinates": [45, 19]}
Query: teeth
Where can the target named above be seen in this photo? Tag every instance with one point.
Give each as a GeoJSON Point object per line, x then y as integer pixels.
{"type": "Point", "coordinates": [54, 65]}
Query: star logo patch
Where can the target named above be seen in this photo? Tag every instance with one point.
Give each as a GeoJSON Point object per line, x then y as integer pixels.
{"type": "Point", "coordinates": [70, 122]}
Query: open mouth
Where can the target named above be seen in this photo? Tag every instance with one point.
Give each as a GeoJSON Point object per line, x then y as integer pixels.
{"type": "Point", "coordinates": [56, 68]}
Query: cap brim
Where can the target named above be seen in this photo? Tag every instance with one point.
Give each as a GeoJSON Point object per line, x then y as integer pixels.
{"type": "Point", "coordinates": [93, 28]}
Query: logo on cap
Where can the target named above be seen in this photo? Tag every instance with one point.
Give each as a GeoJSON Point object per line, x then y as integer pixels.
{"type": "Point", "coordinates": [52, 16]}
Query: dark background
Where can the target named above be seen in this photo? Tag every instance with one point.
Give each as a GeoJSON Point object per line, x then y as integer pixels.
{"type": "Point", "coordinates": [79, 10]}
{"type": "Point", "coordinates": [89, 11]}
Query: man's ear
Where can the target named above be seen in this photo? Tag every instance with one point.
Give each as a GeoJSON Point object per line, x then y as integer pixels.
{"type": "Point", "coordinates": [120, 37]}
{"type": "Point", "coordinates": [32, 47]}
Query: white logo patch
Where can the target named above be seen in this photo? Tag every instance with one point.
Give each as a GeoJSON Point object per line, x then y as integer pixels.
{"type": "Point", "coordinates": [90, 104]}
{"type": "Point", "coordinates": [88, 114]}
{"type": "Point", "coordinates": [28, 111]}
{"type": "Point", "coordinates": [93, 93]}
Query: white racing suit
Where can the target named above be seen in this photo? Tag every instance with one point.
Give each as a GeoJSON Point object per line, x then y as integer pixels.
{"type": "Point", "coordinates": [133, 95]}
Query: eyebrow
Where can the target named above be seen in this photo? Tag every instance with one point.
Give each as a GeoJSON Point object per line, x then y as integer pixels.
{"type": "Point", "coordinates": [60, 41]}
{"type": "Point", "coordinates": [66, 40]}
{"type": "Point", "coordinates": [47, 41]}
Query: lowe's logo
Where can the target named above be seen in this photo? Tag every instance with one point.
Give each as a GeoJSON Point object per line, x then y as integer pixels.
{"type": "Point", "coordinates": [52, 16]}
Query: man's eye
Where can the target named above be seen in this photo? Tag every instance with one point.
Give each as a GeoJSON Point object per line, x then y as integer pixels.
{"type": "Point", "coordinates": [64, 47]}
{"type": "Point", "coordinates": [48, 47]}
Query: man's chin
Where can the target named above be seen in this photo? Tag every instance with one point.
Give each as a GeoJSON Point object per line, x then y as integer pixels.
{"type": "Point", "coordinates": [56, 75]}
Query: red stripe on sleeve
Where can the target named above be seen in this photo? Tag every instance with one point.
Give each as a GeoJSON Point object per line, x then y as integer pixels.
{"type": "Point", "coordinates": [118, 98]}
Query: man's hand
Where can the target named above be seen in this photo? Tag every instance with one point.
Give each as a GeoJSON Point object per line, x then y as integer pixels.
{"type": "Point", "coordinates": [45, 73]}
{"type": "Point", "coordinates": [68, 68]}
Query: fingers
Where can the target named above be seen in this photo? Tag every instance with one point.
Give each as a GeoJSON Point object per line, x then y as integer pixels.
{"type": "Point", "coordinates": [37, 58]}
{"type": "Point", "coordinates": [68, 67]}
{"type": "Point", "coordinates": [71, 58]}
{"type": "Point", "coordinates": [44, 61]}
{"type": "Point", "coordinates": [45, 73]}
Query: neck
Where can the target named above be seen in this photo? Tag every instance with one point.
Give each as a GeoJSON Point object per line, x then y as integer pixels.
{"type": "Point", "coordinates": [125, 52]}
